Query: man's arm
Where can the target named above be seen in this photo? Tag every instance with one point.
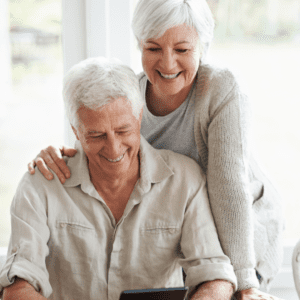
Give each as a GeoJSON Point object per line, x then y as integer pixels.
{"type": "Point", "coordinates": [213, 290]}
{"type": "Point", "coordinates": [28, 247]}
{"type": "Point", "coordinates": [21, 289]}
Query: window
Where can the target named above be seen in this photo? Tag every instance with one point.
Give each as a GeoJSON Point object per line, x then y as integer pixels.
{"type": "Point", "coordinates": [258, 40]}
{"type": "Point", "coordinates": [31, 113]}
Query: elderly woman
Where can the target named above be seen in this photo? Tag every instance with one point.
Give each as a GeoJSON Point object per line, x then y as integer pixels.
{"type": "Point", "coordinates": [195, 109]}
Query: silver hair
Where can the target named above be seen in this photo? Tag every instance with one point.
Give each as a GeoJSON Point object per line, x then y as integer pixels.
{"type": "Point", "coordinates": [153, 17]}
{"type": "Point", "coordinates": [98, 81]}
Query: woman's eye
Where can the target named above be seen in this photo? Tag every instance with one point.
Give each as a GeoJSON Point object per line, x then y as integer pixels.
{"type": "Point", "coordinates": [181, 50]}
{"type": "Point", "coordinates": [154, 49]}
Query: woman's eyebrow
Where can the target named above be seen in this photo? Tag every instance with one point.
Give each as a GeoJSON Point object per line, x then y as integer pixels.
{"type": "Point", "coordinates": [149, 41]}
{"type": "Point", "coordinates": [182, 42]}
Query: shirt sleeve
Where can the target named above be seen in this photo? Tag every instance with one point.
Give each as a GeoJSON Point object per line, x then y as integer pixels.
{"type": "Point", "coordinates": [204, 259]}
{"type": "Point", "coordinates": [228, 183]}
{"type": "Point", "coordinates": [28, 248]}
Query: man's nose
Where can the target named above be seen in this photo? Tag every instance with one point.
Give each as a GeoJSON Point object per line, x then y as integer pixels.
{"type": "Point", "coordinates": [113, 146]}
{"type": "Point", "coordinates": [168, 61]}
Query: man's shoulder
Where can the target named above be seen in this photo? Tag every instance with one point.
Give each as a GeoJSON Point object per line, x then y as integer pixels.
{"type": "Point", "coordinates": [38, 182]}
{"type": "Point", "coordinates": [182, 165]}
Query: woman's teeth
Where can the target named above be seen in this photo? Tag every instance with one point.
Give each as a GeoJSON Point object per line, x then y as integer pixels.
{"type": "Point", "coordinates": [172, 76]}
{"type": "Point", "coordinates": [117, 159]}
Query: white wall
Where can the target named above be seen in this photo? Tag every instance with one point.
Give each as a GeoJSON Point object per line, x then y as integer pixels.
{"type": "Point", "coordinates": [5, 69]}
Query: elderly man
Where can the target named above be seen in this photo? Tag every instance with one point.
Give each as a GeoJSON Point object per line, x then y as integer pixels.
{"type": "Point", "coordinates": [130, 216]}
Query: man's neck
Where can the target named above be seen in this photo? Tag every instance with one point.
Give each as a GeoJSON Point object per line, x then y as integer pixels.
{"type": "Point", "coordinates": [115, 190]}
{"type": "Point", "coordinates": [115, 182]}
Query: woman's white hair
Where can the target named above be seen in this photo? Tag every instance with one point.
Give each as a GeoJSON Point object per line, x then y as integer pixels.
{"type": "Point", "coordinates": [98, 81]}
{"type": "Point", "coordinates": [153, 17]}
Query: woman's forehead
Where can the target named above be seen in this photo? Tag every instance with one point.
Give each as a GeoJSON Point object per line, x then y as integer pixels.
{"type": "Point", "coordinates": [178, 34]}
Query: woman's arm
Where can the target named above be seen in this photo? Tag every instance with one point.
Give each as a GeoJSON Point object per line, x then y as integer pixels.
{"type": "Point", "coordinates": [229, 148]}
{"type": "Point", "coordinates": [228, 183]}
{"type": "Point", "coordinates": [52, 157]}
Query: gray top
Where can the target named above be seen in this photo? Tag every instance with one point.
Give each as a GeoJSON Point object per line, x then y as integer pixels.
{"type": "Point", "coordinates": [246, 207]}
{"type": "Point", "coordinates": [66, 243]}
{"type": "Point", "coordinates": [174, 131]}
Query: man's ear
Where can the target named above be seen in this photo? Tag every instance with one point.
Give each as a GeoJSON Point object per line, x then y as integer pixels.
{"type": "Point", "coordinates": [75, 132]}
{"type": "Point", "coordinates": [141, 115]}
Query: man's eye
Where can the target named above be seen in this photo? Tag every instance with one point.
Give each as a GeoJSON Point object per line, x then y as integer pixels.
{"type": "Point", "coordinates": [181, 50]}
{"type": "Point", "coordinates": [98, 137]}
{"type": "Point", "coordinates": [123, 132]}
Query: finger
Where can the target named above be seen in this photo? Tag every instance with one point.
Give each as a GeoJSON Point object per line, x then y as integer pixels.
{"type": "Point", "coordinates": [54, 156]}
{"type": "Point", "coordinates": [40, 163]}
{"type": "Point", "coordinates": [45, 161]}
{"type": "Point", "coordinates": [53, 165]}
{"type": "Point", "coordinates": [67, 151]}
{"type": "Point", "coordinates": [31, 166]}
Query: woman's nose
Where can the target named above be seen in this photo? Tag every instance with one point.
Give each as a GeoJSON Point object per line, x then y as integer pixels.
{"type": "Point", "coordinates": [168, 61]}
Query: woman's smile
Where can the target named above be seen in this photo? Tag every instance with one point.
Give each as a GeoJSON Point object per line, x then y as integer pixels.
{"type": "Point", "coordinates": [168, 76]}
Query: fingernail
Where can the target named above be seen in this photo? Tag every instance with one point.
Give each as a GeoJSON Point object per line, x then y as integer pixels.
{"type": "Point", "coordinates": [49, 177]}
{"type": "Point", "coordinates": [68, 175]}
{"type": "Point", "coordinates": [62, 180]}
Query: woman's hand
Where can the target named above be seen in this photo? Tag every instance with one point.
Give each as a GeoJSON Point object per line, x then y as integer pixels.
{"type": "Point", "coordinates": [253, 294]}
{"type": "Point", "coordinates": [52, 157]}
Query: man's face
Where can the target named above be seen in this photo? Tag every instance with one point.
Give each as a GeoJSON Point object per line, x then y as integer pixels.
{"type": "Point", "coordinates": [110, 137]}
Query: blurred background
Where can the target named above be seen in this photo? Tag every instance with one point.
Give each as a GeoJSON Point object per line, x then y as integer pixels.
{"type": "Point", "coordinates": [258, 40]}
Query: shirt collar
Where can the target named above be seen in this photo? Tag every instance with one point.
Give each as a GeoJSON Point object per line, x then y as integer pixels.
{"type": "Point", "coordinates": [153, 169]}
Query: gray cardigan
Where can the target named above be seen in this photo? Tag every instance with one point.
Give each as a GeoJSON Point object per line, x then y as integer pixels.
{"type": "Point", "coordinates": [246, 208]}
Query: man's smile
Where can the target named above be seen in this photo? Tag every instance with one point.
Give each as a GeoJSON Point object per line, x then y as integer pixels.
{"type": "Point", "coordinates": [116, 159]}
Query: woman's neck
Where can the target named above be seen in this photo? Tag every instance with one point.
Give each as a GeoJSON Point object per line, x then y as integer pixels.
{"type": "Point", "coordinates": [160, 104]}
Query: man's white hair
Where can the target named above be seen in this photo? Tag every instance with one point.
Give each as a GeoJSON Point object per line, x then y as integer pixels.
{"type": "Point", "coordinates": [98, 81]}
{"type": "Point", "coordinates": [153, 17]}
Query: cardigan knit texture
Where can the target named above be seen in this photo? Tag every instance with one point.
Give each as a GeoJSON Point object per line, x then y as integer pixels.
{"type": "Point", "coordinates": [246, 207]}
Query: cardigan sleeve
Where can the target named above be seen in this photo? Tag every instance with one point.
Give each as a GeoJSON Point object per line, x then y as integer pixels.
{"type": "Point", "coordinates": [227, 142]}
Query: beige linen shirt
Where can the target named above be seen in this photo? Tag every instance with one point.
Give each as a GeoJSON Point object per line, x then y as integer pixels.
{"type": "Point", "coordinates": [66, 243]}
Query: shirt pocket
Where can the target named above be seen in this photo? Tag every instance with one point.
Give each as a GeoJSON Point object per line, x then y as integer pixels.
{"type": "Point", "coordinates": [74, 246]}
{"type": "Point", "coordinates": [160, 245]}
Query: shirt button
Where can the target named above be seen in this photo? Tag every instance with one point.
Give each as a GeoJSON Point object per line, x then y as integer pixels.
{"type": "Point", "coordinates": [14, 249]}
{"type": "Point", "coordinates": [62, 225]}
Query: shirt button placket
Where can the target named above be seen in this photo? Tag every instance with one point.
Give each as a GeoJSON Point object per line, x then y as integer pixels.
{"type": "Point", "coordinates": [114, 268]}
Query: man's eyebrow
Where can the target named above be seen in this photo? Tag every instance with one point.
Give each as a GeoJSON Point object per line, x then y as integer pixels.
{"type": "Point", "coordinates": [126, 126]}
{"type": "Point", "coordinates": [94, 132]}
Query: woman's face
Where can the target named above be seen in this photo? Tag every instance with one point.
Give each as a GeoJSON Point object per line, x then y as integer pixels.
{"type": "Point", "coordinates": [171, 62]}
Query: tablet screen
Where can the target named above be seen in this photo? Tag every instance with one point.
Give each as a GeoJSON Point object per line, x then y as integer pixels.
{"type": "Point", "coordinates": [155, 294]}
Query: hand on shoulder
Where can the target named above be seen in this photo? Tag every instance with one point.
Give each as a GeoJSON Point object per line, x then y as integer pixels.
{"type": "Point", "coordinates": [52, 157]}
